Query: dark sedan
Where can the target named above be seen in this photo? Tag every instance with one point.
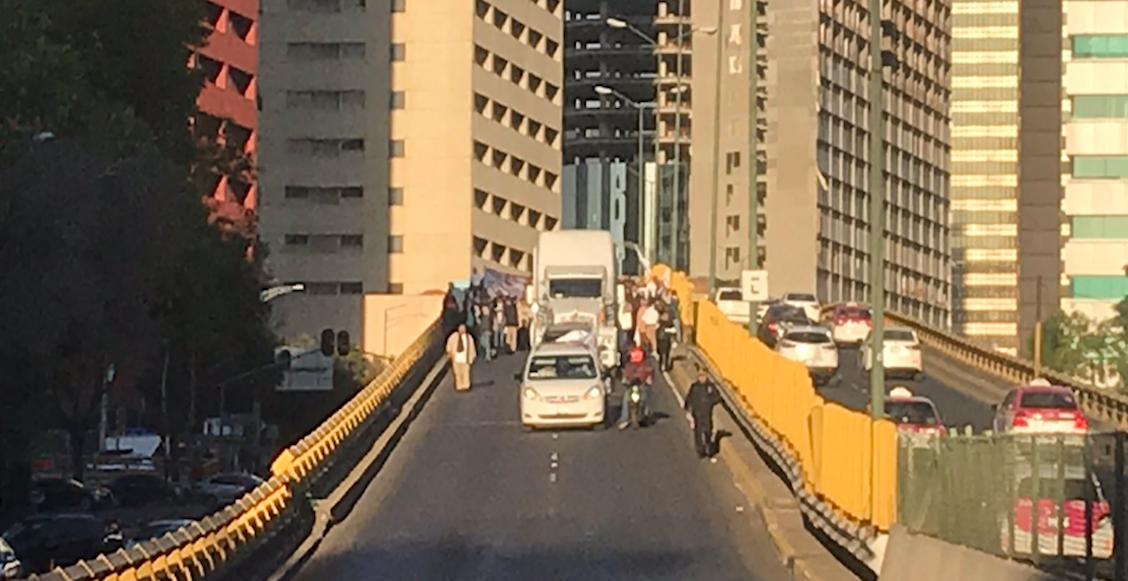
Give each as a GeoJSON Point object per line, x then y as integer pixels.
{"type": "Point", "coordinates": [779, 318]}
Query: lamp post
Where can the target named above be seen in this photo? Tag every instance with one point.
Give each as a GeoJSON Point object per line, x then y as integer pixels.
{"type": "Point", "coordinates": [680, 88]}
{"type": "Point", "coordinates": [641, 107]}
{"type": "Point", "coordinates": [716, 158]}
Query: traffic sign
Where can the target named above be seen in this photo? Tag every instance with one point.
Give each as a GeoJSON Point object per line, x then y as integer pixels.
{"type": "Point", "coordinates": [306, 369]}
{"type": "Point", "coordinates": [754, 285]}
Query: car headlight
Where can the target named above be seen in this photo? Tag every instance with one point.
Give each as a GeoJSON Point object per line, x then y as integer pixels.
{"type": "Point", "coordinates": [594, 393]}
{"type": "Point", "coordinates": [531, 393]}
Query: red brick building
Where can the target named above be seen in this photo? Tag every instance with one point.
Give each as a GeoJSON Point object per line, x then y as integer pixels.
{"type": "Point", "coordinates": [229, 61]}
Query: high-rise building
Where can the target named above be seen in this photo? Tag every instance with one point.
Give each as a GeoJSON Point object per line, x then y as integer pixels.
{"type": "Point", "coordinates": [631, 50]}
{"type": "Point", "coordinates": [1005, 167]}
{"type": "Point", "coordinates": [1096, 191]}
{"type": "Point", "coordinates": [723, 163]}
{"type": "Point", "coordinates": [404, 144]}
{"type": "Point", "coordinates": [229, 61]}
{"type": "Point", "coordinates": [816, 141]}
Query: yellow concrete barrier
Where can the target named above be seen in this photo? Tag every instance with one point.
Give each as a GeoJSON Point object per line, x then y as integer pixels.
{"type": "Point", "coordinates": [847, 459]}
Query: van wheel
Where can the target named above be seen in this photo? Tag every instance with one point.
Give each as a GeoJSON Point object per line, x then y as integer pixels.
{"type": "Point", "coordinates": [527, 428]}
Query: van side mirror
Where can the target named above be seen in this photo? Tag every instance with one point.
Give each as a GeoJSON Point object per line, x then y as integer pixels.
{"type": "Point", "coordinates": [518, 376]}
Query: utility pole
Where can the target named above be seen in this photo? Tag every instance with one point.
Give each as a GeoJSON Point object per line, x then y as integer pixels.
{"type": "Point", "coordinates": [877, 212]}
{"type": "Point", "coordinates": [675, 214]}
{"type": "Point", "coordinates": [753, 154]}
{"type": "Point", "coordinates": [716, 152]}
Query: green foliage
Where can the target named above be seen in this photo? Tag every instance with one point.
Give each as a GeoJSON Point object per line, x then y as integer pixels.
{"type": "Point", "coordinates": [1078, 346]}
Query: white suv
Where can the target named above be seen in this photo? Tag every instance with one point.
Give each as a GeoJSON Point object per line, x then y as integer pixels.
{"type": "Point", "coordinates": [805, 301]}
{"type": "Point", "coordinates": [814, 347]}
{"type": "Point", "coordinates": [901, 353]}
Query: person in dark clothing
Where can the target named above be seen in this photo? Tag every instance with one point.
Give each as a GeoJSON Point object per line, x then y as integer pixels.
{"type": "Point", "coordinates": [666, 333]}
{"type": "Point", "coordinates": [703, 396]}
{"type": "Point", "coordinates": [452, 314]}
{"type": "Point", "coordinates": [512, 321]}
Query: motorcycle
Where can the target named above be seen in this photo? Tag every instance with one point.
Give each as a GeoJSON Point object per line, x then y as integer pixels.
{"type": "Point", "coordinates": [636, 413]}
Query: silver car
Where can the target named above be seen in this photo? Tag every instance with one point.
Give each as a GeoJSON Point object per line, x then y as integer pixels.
{"type": "Point", "coordinates": [562, 386]}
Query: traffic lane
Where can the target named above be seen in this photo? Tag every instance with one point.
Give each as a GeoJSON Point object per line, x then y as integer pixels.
{"type": "Point", "coordinates": [468, 495]}
{"type": "Point", "coordinates": [956, 407]}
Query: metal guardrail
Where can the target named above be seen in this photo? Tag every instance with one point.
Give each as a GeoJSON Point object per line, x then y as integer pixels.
{"type": "Point", "coordinates": [223, 539]}
{"type": "Point", "coordinates": [1103, 405]}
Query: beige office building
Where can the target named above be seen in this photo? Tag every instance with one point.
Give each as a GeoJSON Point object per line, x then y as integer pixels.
{"type": "Point", "coordinates": [404, 144]}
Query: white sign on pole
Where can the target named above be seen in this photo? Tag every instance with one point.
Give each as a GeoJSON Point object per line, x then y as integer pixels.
{"type": "Point", "coordinates": [309, 370]}
{"type": "Point", "coordinates": [754, 285]}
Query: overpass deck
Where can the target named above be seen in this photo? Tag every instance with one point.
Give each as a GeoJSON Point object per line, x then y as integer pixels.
{"type": "Point", "coordinates": [469, 495]}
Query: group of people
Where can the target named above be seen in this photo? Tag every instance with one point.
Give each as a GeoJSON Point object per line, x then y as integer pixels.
{"type": "Point", "coordinates": [649, 325]}
{"type": "Point", "coordinates": [482, 326]}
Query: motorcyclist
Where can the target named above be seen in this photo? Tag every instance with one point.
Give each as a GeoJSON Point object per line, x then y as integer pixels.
{"type": "Point", "coordinates": [637, 369]}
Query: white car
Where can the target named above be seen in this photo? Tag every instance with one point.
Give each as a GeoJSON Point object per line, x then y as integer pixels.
{"type": "Point", "coordinates": [227, 487]}
{"type": "Point", "coordinates": [561, 386]}
{"type": "Point", "coordinates": [901, 351]}
{"type": "Point", "coordinates": [805, 301]}
{"type": "Point", "coordinates": [851, 323]}
{"type": "Point", "coordinates": [814, 347]}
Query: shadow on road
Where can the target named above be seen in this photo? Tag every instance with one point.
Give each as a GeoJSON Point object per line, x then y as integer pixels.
{"type": "Point", "coordinates": [455, 557]}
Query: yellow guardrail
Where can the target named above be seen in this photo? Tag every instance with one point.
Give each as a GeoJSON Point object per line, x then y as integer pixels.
{"type": "Point", "coordinates": [223, 538]}
{"type": "Point", "coordinates": [1104, 405]}
{"type": "Point", "coordinates": [846, 459]}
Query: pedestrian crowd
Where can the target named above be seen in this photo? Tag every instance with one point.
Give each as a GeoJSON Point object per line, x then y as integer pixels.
{"type": "Point", "coordinates": [484, 326]}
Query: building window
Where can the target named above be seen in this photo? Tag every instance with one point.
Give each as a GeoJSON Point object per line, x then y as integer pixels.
{"type": "Point", "coordinates": [352, 192]}
{"type": "Point", "coordinates": [325, 51]}
{"type": "Point", "coordinates": [395, 244]}
{"type": "Point", "coordinates": [352, 288]}
{"type": "Point", "coordinates": [395, 288]}
{"type": "Point", "coordinates": [399, 5]}
{"type": "Point", "coordinates": [1100, 166]}
{"type": "Point", "coordinates": [323, 288]}
{"type": "Point", "coordinates": [296, 192]}
{"type": "Point", "coordinates": [1100, 46]}
{"type": "Point", "coordinates": [395, 196]}
{"type": "Point", "coordinates": [352, 145]}
{"type": "Point", "coordinates": [352, 241]}
{"type": "Point", "coordinates": [1099, 227]}
{"type": "Point", "coordinates": [398, 52]}
{"type": "Point", "coordinates": [396, 148]}
{"type": "Point", "coordinates": [1100, 107]}
{"type": "Point", "coordinates": [399, 100]}
{"type": "Point", "coordinates": [297, 239]}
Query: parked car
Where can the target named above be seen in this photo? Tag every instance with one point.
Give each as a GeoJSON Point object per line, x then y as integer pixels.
{"type": "Point", "coordinates": [45, 541]}
{"type": "Point", "coordinates": [158, 528]}
{"type": "Point", "coordinates": [913, 414]}
{"type": "Point", "coordinates": [851, 323]}
{"type": "Point", "coordinates": [1040, 409]}
{"type": "Point", "coordinates": [143, 489]}
{"type": "Point", "coordinates": [812, 346]}
{"type": "Point", "coordinates": [51, 494]}
{"type": "Point", "coordinates": [778, 320]}
{"type": "Point", "coordinates": [806, 301]}
{"type": "Point", "coordinates": [902, 355]}
{"type": "Point", "coordinates": [227, 487]}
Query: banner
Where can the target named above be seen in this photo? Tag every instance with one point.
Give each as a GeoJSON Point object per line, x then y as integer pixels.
{"type": "Point", "coordinates": [500, 284]}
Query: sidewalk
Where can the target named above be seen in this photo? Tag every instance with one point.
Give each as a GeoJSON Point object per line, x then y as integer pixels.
{"type": "Point", "coordinates": [799, 550]}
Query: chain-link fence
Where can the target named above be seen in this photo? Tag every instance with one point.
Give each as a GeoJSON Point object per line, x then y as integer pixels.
{"type": "Point", "coordinates": [1049, 499]}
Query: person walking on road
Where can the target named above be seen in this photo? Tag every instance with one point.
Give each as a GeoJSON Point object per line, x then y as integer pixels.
{"type": "Point", "coordinates": [462, 351]}
{"type": "Point", "coordinates": [512, 321]}
{"type": "Point", "coordinates": [451, 312]}
{"type": "Point", "coordinates": [703, 396]}
{"type": "Point", "coordinates": [485, 331]}
{"type": "Point", "coordinates": [665, 341]}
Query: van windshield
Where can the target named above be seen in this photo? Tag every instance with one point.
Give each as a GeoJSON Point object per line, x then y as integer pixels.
{"type": "Point", "coordinates": [544, 367]}
{"type": "Point", "coordinates": [588, 288]}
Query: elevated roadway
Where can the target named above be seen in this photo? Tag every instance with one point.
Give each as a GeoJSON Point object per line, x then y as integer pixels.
{"type": "Point", "coordinates": [469, 495]}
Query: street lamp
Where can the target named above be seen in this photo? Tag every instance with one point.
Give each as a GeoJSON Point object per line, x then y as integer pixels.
{"type": "Point", "coordinates": [274, 292]}
{"type": "Point", "coordinates": [642, 107]}
{"type": "Point", "coordinates": [680, 90]}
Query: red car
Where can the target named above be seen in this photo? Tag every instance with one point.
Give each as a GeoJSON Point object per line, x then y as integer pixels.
{"type": "Point", "coordinates": [851, 324]}
{"type": "Point", "coordinates": [1067, 495]}
{"type": "Point", "coordinates": [1040, 409]}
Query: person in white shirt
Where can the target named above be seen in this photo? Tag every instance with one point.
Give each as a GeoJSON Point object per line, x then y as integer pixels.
{"type": "Point", "coordinates": [650, 325]}
{"type": "Point", "coordinates": [462, 351]}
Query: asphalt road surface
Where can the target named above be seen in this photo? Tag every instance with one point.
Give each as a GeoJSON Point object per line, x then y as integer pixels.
{"type": "Point", "coordinates": [469, 495]}
{"type": "Point", "coordinates": [956, 407]}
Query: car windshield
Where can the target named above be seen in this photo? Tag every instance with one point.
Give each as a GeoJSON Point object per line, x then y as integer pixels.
{"type": "Point", "coordinates": [911, 412]}
{"type": "Point", "coordinates": [808, 337]}
{"type": "Point", "coordinates": [562, 367]}
{"type": "Point", "coordinates": [802, 298]}
{"type": "Point", "coordinates": [1048, 399]}
{"type": "Point", "coordinates": [1054, 489]}
{"type": "Point", "coordinates": [855, 313]}
{"type": "Point", "coordinates": [576, 287]}
{"type": "Point", "coordinates": [730, 295]}
{"type": "Point", "coordinates": [899, 335]}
